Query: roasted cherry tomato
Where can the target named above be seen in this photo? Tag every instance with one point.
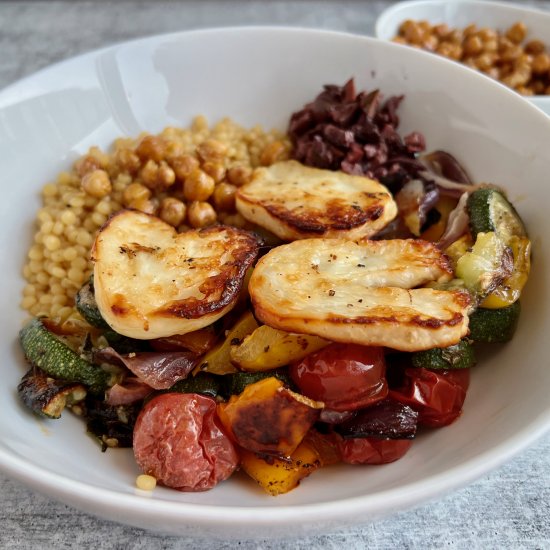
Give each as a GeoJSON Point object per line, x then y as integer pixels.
{"type": "Point", "coordinates": [179, 440]}
{"type": "Point", "coordinates": [344, 376]}
{"type": "Point", "coordinates": [370, 450]}
{"type": "Point", "coordinates": [437, 396]}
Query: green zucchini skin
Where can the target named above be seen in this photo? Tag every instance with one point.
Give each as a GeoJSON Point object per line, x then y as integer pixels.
{"type": "Point", "coordinates": [459, 356]}
{"type": "Point", "coordinates": [494, 325]}
{"type": "Point", "coordinates": [490, 211]}
{"type": "Point", "coordinates": [235, 383]}
{"type": "Point", "coordinates": [224, 386]}
{"type": "Point", "coordinates": [87, 306]}
{"type": "Point", "coordinates": [44, 350]}
{"type": "Point", "coordinates": [203, 383]}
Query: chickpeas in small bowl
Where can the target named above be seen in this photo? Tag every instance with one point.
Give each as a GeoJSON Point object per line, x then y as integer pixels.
{"type": "Point", "coordinates": [507, 42]}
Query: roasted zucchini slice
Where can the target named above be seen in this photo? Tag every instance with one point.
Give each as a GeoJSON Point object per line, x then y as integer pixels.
{"type": "Point", "coordinates": [234, 384]}
{"type": "Point", "coordinates": [485, 266]}
{"type": "Point", "coordinates": [45, 350]}
{"type": "Point", "coordinates": [46, 396]}
{"type": "Point", "coordinates": [490, 211]}
{"type": "Point", "coordinates": [459, 356]}
{"type": "Point", "coordinates": [87, 306]}
{"type": "Point", "coordinates": [203, 383]}
{"type": "Point", "coordinates": [494, 325]}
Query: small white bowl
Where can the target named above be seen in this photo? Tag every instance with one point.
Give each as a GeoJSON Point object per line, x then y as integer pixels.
{"type": "Point", "coordinates": [460, 13]}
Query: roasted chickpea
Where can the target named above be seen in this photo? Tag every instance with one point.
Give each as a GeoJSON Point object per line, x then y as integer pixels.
{"type": "Point", "coordinates": [412, 32]}
{"type": "Point", "coordinates": [445, 49]}
{"type": "Point", "coordinates": [456, 52]}
{"type": "Point", "coordinates": [165, 175]}
{"type": "Point", "coordinates": [534, 47]}
{"type": "Point", "coordinates": [184, 165]}
{"type": "Point", "coordinates": [216, 170]}
{"type": "Point", "coordinates": [273, 152]}
{"type": "Point", "coordinates": [149, 206]}
{"type": "Point", "coordinates": [473, 45]}
{"type": "Point", "coordinates": [470, 30]}
{"type": "Point", "coordinates": [224, 197]}
{"type": "Point", "coordinates": [135, 192]}
{"type": "Point", "coordinates": [172, 211]}
{"type": "Point", "coordinates": [86, 165]}
{"type": "Point", "coordinates": [484, 61]}
{"type": "Point", "coordinates": [198, 186]}
{"type": "Point", "coordinates": [511, 54]}
{"type": "Point", "coordinates": [173, 150]}
{"type": "Point", "coordinates": [517, 32]}
{"type": "Point", "coordinates": [211, 149]}
{"type": "Point", "coordinates": [486, 34]}
{"type": "Point", "coordinates": [127, 160]}
{"type": "Point", "coordinates": [541, 63]}
{"type": "Point", "coordinates": [239, 175]}
{"type": "Point", "coordinates": [97, 184]}
{"type": "Point", "coordinates": [430, 42]}
{"type": "Point", "coordinates": [236, 220]}
{"type": "Point", "coordinates": [200, 214]}
{"type": "Point", "coordinates": [517, 78]}
{"type": "Point", "coordinates": [151, 147]}
{"type": "Point", "coordinates": [157, 176]}
{"type": "Point", "coordinates": [441, 30]}
{"type": "Point", "coordinates": [490, 46]}
{"type": "Point", "coordinates": [454, 36]}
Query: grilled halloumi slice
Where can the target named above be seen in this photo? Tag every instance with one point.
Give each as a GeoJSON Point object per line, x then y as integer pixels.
{"type": "Point", "coordinates": [294, 201]}
{"type": "Point", "coordinates": [360, 293]}
{"type": "Point", "coordinates": [152, 282]}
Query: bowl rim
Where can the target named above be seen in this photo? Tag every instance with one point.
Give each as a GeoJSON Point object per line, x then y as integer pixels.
{"type": "Point", "coordinates": [511, 7]}
{"type": "Point", "coordinates": [378, 503]}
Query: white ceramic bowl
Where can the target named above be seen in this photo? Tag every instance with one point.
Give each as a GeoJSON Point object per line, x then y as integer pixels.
{"type": "Point", "coordinates": [261, 75]}
{"type": "Point", "coordinates": [460, 13]}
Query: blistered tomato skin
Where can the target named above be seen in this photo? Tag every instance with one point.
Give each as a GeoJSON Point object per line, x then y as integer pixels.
{"type": "Point", "coordinates": [373, 451]}
{"type": "Point", "coordinates": [345, 377]}
{"type": "Point", "coordinates": [179, 440]}
{"type": "Point", "coordinates": [437, 396]}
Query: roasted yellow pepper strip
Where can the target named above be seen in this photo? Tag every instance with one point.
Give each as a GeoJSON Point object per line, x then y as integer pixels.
{"type": "Point", "coordinates": [268, 348]}
{"type": "Point", "coordinates": [218, 359]}
{"type": "Point", "coordinates": [278, 476]}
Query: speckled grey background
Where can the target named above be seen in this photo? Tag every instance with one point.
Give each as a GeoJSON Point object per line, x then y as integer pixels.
{"type": "Point", "coordinates": [508, 509]}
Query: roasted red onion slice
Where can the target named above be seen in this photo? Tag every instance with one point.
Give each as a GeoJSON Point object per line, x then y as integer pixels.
{"type": "Point", "coordinates": [457, 224]}
{"type": "Point", "coordinates": [414, 201]}
{"type": "Point", "coordinates": [129, 391]}
{"type": "Point", "coordinates": [447, 186]}
{"type": "Point", "coordinates": [160, 370]}
{"type": "Point", "coordinates": [388, 419]}
{"type": "Point", "coordinates": [330, 416]}
{"type": "Point", "coordinates": [445, 165]}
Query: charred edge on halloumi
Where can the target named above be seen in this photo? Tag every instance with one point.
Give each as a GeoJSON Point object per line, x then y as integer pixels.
{"type": "Point", "coordinates": [296, 202]}
{"type": "Point", "coordinates": [152, 282]}
{"type": "Point", "coordinates": [360, 293]}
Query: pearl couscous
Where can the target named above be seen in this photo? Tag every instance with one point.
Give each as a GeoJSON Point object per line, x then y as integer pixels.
{"type": "Point", "coordinates": [186, 177]}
